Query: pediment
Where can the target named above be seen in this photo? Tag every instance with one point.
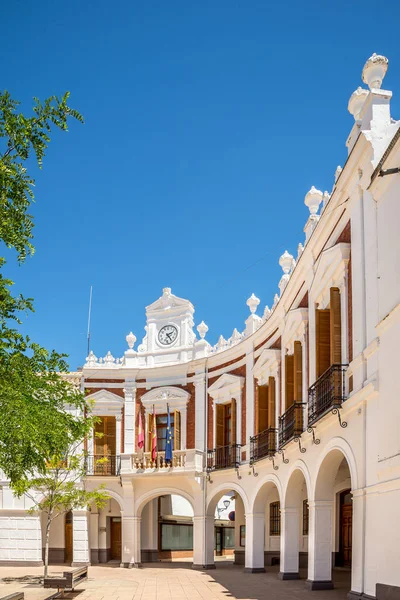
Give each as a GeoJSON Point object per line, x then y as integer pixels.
{"type": "Point", "coordinates": [169, 301]}
{"type": "Point", "coordinates": [175, 397]}
{"type": "Point", "coordinates": [105, 403]}
{"type": "Point", "coordinates": [226, 384]}
{"type": "Point", "coordinates": [266, 365]}
{"type": "Point", "coordinates": [330, 266]}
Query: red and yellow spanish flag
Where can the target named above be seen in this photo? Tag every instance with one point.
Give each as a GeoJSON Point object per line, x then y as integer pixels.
{"type": "Point", "coordinates": [140, 432]}
{"type": "Point", "coordinates": [154, 437]}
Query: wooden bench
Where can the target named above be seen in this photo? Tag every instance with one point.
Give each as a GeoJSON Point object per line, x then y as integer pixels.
{"type": "Point", "coordinates": [15, 596]}
{"type": "Point", "coordinates": [68, 581]}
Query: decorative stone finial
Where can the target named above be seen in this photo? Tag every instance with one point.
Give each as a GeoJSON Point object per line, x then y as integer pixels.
{"type": "Point", "coordinates": [252, 303]}
{"type": "Point", "coordinates": [337, 172]}
{"type": "Point", "coordinates": [222, 343]}
{"type": "Point", "coordinates": [109, 359]}
{"type": "Point", "coordinates": [166, 291]}
{"type": "Point", "coordinates": [267, 313]}
{"type": "Point", "coordinates": [202, 329]}
{"type": "Point", "coordinates": [91, 359]}
{"type": "Point", "coordinates": [286, 262]}
{"type": "Point", "coordinates": [236, 336]}
{"type": "Point", "coordinates": [300, 249]}
{"type": "Point", "coordinates": [313, 199]}
{"type": "Point", "coordinates": [130, 340]}
{"type": "Point", "coordinates": [276, 300]}
{"type": "Point", "coordinates": [356, 102]}
{"type": "Point", "coordinates": [374, 71]}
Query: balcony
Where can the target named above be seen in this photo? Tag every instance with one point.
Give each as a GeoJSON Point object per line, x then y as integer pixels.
{"type": "Point", "coordinates": [142, 463]}
{"type": "Point", "coordinates": [105, 466]}
{"type": "Point", "coordinates": [224, 457]}
{"type": "Point", "coordinates": [263, 444]}
{"type": "Point", "coordinates": [291, 423]}
{"type": "Point", "coordinates": [327, 393]}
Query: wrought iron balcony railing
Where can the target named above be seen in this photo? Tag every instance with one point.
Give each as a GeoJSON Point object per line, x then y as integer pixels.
{"type": "Point", "coordinates": [327, 393]}
{"type": "Point", "coordinates": [224, 457]}
{"type": "Point", "coordinates": [291, 423]}
{"type": "Point", "coordinates": [96, 464]}
{"type": "Point", "coordinates": [263, 444]}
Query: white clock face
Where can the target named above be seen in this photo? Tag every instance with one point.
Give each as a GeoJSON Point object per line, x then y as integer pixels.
{"type": "Point", "coordinates": [167, 335]}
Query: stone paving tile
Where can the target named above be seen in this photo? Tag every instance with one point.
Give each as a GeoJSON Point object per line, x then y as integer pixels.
{"type": "Point", "coordinates": [168, 581]}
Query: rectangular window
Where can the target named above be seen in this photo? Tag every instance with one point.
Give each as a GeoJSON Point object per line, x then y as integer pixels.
{"type": "Point", "coordinates": [176, 537]}
{"type": "Point", "coordinates": [229, 537]}
{"type": "Point", "coordinates": [275, 518]}
{"type": "Point", "coordinates": [161, 424]}
{"type": "Point", "coordinates": [243, 535]}
{"type": "Point", "coordinates": [305, 517]}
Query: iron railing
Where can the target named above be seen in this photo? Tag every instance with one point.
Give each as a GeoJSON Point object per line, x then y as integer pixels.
{"type": "Point", "coordinates": [224, 457]}
{"type": "Point", "coordinates": [96, 464]}
{"type": "Point", "coordinates": [291, 423]}
{"type": "Point", "coordinates": [263, 444]}
{"type": "Point", "coordinates": [327, 393]}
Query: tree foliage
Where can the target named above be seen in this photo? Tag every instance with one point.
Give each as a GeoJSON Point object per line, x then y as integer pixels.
{"type": "Point", "coordinates": [35, 422]}
{"type": "Point", "coordinates": [61, 487]}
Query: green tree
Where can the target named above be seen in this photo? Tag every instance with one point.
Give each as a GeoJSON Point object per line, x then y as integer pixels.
{"type": "Point", "coordinates": [61, 487]}
{"type": "Point", "coordinates": [35, 423]}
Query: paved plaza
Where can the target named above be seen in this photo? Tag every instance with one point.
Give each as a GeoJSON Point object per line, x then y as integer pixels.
{"type": "Point", "coordinates": [172, 581]}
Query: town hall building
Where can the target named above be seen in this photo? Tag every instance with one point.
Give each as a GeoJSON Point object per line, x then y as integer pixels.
{"type": "Point", "coordinates": [286, 436]}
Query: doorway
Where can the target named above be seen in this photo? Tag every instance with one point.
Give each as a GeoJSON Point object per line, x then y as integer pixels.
{"type": "Point", "coordinates": [116, 539]}
{"type": "Point", "coordinates": [218, 541]}
{"type": "Point", "coordinates": [346, 528]}
{"type": "Point", "coordinates": [68, 538]}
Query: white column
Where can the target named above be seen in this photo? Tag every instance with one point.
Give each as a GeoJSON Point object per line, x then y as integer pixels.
{"type": "Point", "coordinates": [94, 537]}
{"type": "Point", "coordinates": [80, 536]}
{"type": "Point", "coordinates": [200, 411]}
{"type": "Point", "coordinates": [358, 542]}
{"type": "Point", "coordinates": [254, 549]}
{"type": "Point", "coordinates": [183, 427]}
{"type": "Point", "coordinates": [129, 426]}
{"type": "Point", "coordinates": [320, 545]}
{"type": "Point", "coordinates": [290, 524]}
{"type": "Point", "coordinates": [203, 542]}
{"type": "Point", "coordinates": [118, 423]}
{"type": "Point", "coordinates": [249, 395]}
{"type": "Point", "coordinates": [131, 553]}
{"type": "Point", "coordinates": [312, 371]}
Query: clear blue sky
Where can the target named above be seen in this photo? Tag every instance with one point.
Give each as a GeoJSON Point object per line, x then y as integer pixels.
{"type": "Point", "coordinates": [205, 125]}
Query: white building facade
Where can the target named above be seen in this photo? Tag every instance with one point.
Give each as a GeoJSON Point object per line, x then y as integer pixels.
{"type": "Point", "coordinates": [286, 435]}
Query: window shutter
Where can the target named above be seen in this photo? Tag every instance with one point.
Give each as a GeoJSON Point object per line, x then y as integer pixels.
{"type": "Point", "coordinates": [271, 403]}
{"type": "Point", "coordinates": [110, 435]}
{"type": "Point", "coordinates": [298, 372]}
{"type": "Point", "coordinates": [177, 430]}
{"type": "Point", "coordinates": [233, 421]}
{"type": "Point", "coordinates": [263, 408]}
{"type": "Point", "coordinates": [99, 441]}
{"type": "Point", "coordinates": [323, 341]}
{"type": "Point", "coordinates": [289, 379]}
{"type": "Point", "coordinates": [220, 424]}
{"type": "Point", "coordinates": [256, 410]}
{"type": "Point", "coordinates": [335, 328]}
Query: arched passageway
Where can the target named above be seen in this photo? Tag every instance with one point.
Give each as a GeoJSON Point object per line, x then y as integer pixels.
{"type": "Point", "coordinates": [225, 526]}
{"type": "Point", "coordinates": [295, 525]}
{"type": "Point", "coordinates": [331, 519]}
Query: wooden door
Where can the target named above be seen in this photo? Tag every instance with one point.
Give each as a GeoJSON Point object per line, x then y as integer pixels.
{"type": "Point", "coordinates": [346, 527]}
{"type": "Point", "coordinates": [68, 542]}
{"type": "Point", "coordinates": [116, 539]}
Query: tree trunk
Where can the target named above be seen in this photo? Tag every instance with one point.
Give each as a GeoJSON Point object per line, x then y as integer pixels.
{"type": "Point", "coordinates": [46, 548]}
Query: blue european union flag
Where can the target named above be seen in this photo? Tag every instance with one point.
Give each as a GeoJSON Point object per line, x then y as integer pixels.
{"type": "Point", "coordinates": [168, 443]}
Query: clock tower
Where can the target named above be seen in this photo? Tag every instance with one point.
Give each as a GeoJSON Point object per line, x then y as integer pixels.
{"type": "Point", "coordinates": [169, 331]}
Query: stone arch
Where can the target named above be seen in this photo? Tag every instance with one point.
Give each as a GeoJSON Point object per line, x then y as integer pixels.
{"type": "Point", "coordinates": [146, 497]}
{"type": "Point", "coordinates": [220, 491]}
{"type": "Point", "coordinates": [117, 497]}
{"type": "Point", "coordinates": [263, 490]}
{"type": "Point", "coordinates": [328, 465]}
{"type": "Point", "coordinates": [292, 492]}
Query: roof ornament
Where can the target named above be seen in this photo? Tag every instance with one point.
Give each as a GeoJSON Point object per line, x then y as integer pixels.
{"type": "Point", "coordinates": [356, 102]}
{"type": "Point", "coordinates": [338, 172]}
{"type": "Point", "coordinates": [286, 262]}
{"type": "Point", "coordinates": [253, 303]}
{"type": "Point", "coordinates": [300, 249]}
{"type": "Point", "coordinates": [221, 344]}
{"type": "Point", "coordinates": [202, 328]}
{"type": "Point", "coordinates": [130, 340]}
{"type": "Point", "coordinates": [267, 313]}
{"type": "Point", "coordinates": [166, 297]}
{"type": "Point", "coordinates": [276, 300]}
{"type": "Point", "coordinates": [374, 71]}
{"type": "Point", "coordinates": [235, 337]}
